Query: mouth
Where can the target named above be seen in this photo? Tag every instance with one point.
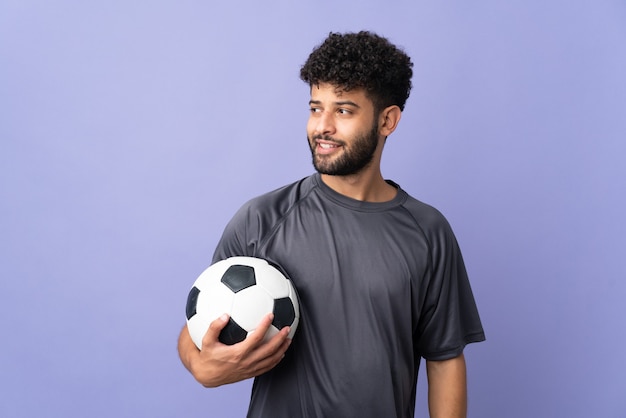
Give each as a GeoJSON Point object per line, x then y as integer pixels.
{"type": "Point", "coordinates": [325, 147]}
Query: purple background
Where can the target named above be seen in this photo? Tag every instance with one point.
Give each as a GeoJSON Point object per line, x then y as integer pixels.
{"type": "Point", "coordinates": [131, 131]}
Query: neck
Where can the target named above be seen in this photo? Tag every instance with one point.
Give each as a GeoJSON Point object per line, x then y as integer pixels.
{"type": "Point", "coordinates": [363, 186]}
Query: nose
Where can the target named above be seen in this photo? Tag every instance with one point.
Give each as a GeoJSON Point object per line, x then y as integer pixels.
{"type": "Point", "coordinates": [322, 123]}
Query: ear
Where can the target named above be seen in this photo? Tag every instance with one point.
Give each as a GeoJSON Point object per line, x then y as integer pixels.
{"type": "Point", "coordinates": [388, 120]}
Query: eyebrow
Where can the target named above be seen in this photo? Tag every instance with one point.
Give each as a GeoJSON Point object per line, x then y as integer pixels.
{"type": "Point", "coordinates": [340, 103]}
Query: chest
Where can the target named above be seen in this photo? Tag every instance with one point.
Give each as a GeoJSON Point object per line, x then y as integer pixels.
{"type": "Point", "coordinates": [356, 260]}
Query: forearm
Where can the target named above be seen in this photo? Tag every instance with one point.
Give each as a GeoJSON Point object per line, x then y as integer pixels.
{"type": "Point", "coordinates": [447, 388]}
{"type": "Point", "coordinates": [189, 353]}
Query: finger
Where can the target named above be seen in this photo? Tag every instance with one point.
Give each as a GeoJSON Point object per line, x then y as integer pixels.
{"type": "Point", "coordinates": [278, 340]}
{"type": "Point", "coordinates": [275, 347]}
{"type": "Point", "coordinates": [255, 338]}
{"type": "Point", "coordinates": [269, 362]}
{"type": "Point", "coordinates": [212, 334]}
{"type": "Point", "coordinates": [282, 341]}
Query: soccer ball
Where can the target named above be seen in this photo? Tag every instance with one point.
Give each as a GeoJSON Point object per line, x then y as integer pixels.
{"type": "Point", "coordinates": [246, 288]}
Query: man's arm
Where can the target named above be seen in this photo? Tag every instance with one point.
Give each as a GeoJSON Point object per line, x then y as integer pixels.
{"type": "Point", "coordinates": [218, 364]}
{"type": "Point", "coordinates": [447, 388]}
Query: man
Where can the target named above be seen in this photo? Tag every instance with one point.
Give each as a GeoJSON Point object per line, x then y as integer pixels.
{"type": "Point", "coordinates": [380, 277]}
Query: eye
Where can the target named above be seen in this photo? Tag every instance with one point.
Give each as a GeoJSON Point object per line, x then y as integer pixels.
{"type": "Point", "coordinates": [343, 111]}
{"type": "Point", "coordinates": [315, 110]}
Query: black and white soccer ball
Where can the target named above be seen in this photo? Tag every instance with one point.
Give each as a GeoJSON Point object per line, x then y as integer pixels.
{"type": "Point", "coordinates": [246, 288]}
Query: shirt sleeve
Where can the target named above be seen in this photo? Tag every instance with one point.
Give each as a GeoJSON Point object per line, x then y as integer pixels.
{"type": "Point", "coordinates": [448, 317]}
{"type": "Point", "coordinates": [236, 240]}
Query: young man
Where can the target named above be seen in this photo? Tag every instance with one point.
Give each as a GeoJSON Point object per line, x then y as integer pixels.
{"type": "Point", "coordinates": [380, 277]}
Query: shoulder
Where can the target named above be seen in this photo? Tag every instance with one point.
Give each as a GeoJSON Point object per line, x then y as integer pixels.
{"type": "Point", "coordinates": [427, 217]}
{"type": "Point", "coordinates": [281, 199]}
{"type": "Point", "coordinates": [433, 225]}
{"type": "Point", "coordinates": [258, 217]}
{"type": "Point", "coordinates": [266, 210]}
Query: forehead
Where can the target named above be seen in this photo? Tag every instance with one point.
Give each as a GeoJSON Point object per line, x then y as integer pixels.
{"type": "Point", "coordinates": [325, 92]}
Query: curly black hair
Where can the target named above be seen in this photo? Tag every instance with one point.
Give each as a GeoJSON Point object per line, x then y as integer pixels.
{"type": "Point", "coordinates": [362, 60]}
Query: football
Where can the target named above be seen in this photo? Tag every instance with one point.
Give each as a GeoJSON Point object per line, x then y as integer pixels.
{"type": "Point", "coordinates": [246, 288]}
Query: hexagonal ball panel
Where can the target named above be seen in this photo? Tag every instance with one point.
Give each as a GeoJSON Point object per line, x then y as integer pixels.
{"type": "Point", "coordinates": [273, 281]}
{"type": "Point", "coordinates": [250, 305]}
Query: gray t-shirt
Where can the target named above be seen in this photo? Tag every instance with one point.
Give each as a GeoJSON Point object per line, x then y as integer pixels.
{"type": "Point", "coordinates": [381, 285]}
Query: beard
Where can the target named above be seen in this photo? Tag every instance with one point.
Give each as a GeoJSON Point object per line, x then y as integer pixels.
{"type": "Point", "coordinates": [353, 158]}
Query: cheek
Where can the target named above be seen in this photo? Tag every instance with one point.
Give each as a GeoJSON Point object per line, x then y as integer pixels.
{"type": "Point", "coordinates": [310, 127]}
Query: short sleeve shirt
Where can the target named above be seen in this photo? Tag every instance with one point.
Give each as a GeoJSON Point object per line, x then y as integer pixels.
{"type": "Point", "coordinates": [380, 285]}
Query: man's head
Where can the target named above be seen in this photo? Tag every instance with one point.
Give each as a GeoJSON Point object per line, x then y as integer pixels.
{"type": "Point", "coordinates": [362, 60]}
{"type": "Point", "coordinates": [359, 85]}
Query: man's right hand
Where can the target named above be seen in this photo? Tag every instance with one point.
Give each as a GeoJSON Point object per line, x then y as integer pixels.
{"type": "Point", "coordinates": [218, 364]}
